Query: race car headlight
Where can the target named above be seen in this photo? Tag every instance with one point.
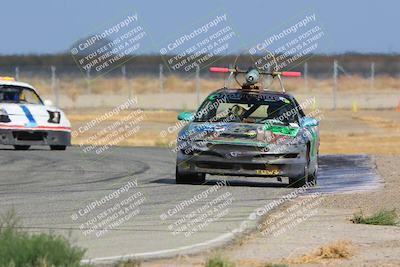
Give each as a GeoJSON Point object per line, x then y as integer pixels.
{"type": "Point", "coordinates": [54, 116]}
{"type": "Point", "coordinates": [4, 116]}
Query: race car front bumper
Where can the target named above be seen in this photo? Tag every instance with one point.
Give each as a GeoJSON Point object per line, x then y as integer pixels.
{"type": "Point", "coordinates": [252, 162]}
{"type": "Point", "coordinates": [35, 137]}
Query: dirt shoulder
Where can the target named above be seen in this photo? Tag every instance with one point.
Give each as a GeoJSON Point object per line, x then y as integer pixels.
{"type": "Point", "coordinates": [371, 245]}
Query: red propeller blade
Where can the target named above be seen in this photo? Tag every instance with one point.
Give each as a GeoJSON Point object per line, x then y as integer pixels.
{"type": "Point", "coordinates": [218, 69]}
{"type": "Point", "coordinates": [291, 73]}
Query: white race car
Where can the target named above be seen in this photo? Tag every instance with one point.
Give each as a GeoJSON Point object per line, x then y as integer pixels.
{"type": "Point", "coordinates": [25, 120]}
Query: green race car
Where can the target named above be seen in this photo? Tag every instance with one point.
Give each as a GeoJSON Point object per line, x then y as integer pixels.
{"type": "Point", "coordinates": [247, 132]}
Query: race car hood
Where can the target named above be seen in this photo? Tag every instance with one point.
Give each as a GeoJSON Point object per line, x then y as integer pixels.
{"type": "Point", "coordinates": [22, 109]}
{"type": "Point", "coordinates": [31, 116]}
{"type": "Point", "coordinates": [240, 133]}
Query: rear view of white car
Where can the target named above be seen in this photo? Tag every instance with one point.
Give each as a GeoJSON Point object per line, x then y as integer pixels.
{"type": "Point", "coordinates": [25, 120]}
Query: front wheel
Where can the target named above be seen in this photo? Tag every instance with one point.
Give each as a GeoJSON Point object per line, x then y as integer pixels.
{"type": "Point", "coordinates": [313, 177]}
{"type": "Point", "coordinates": [299, 181]}
{"type": "Point", "coordinates": [20, 147]}
{"type": "Point", "coordinates": [58, 147]}
{"type": "Point", "coordinates": [191, 178]}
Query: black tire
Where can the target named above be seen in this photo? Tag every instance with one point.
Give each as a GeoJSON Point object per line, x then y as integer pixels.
{"type": "Point", "coordinates": [58, 147]}
{"type": "Point", "coordinates": [298, 181]}
{"type": "Point", "coordinates": [193, 178]}
{"type": "Point", "coordinates": [312, 178]}
{"type": "Point", "coordinates": [21, 147]}
{"type": "Point", "coordinates": [303, 179]}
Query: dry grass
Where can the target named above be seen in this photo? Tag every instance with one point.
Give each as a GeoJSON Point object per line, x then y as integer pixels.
{"type": "Point", "coordinates": [376, 121]}
{"type": "Point", "coordinates": [341, 249]}
{"type": "Point", "coordinates": [73, 86]}
{"type": "Point", "coordinates": [148, 135]}
{"type": "Point", "coordinates": [150, 116]}
{"type": "Point", "coordinates": [363, 143]}
{"type": "Point", "coordinates": [365, 132]}
{"type": "Point", "coordinates": [259, 263]}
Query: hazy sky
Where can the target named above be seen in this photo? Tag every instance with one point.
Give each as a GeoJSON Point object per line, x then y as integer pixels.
{"type": "Point", "coordinates": [52, 26]}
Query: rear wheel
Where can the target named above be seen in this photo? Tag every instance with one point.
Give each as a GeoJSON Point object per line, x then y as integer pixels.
{"type": "Point", "coordinates": [58, 147]}
{"type": "Point", "coordinates": [191, 178]}
{"type": "Point", "coordinates": [20, 147]}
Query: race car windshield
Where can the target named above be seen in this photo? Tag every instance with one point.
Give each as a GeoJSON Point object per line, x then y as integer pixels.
{"type": "Point", "coordinates": [246, 108]}
{"type": "Point", "coordinates": [16, 94]}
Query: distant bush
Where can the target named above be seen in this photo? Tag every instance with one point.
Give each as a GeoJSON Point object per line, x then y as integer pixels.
{"type": "Point", "coordinates": [19, 248]}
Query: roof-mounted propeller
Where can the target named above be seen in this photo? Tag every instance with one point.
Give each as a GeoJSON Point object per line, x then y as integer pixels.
{"type": "Point", "coordinates": [252, 75]}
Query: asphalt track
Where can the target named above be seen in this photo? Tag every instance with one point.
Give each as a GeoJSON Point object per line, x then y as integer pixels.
{"type": "Point", "coordinates": [50, 191]}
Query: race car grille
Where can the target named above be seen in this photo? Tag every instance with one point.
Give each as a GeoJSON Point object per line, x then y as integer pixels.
{"type": "Point", "coordinates": [29, 136]}
{"type": "Point", "coordinates": [277, 156]}
{"type": "Point", "coordinates": [230, 166]}
{"type": "Point", "coordinates": [254, 166]}
{"type": "Point", "coordinates": [240, 148]}
{"type": "Point", "coordinates": [214, 165]}
{"type": "Point", "coordinates": [291, 155]}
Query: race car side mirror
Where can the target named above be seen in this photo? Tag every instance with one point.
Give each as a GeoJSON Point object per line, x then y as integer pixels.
{"type": "Point", "coordinates": [309, 122]}
{"type": "Point", "coordinates": [48, 102]}
{"type": "Point", "coordinates": [185, 116]}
